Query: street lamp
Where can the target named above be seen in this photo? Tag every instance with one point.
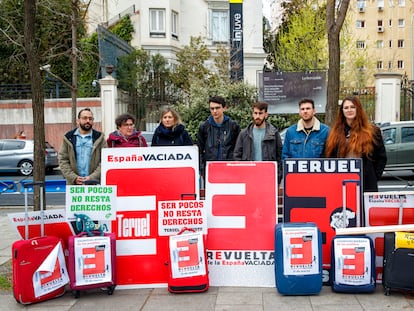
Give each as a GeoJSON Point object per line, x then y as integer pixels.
{"type": "Point", "coordinates": [73, 90]}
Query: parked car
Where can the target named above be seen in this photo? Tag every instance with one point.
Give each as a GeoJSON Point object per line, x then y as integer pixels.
{"type": "Point", "coordinates": [18, 154]}
{"type": "Point", "coordinates": [399, 143]}
{"type": "Point", "coordinates": [148, 137]}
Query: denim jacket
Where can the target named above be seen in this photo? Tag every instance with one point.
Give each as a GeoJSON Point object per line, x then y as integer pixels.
{"type": "Point", "coordinates": [299, 144]}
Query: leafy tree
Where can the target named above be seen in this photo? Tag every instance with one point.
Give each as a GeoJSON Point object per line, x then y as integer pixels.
{"type": "Point", "coordinates": [53, 38]}
{"type": "Point", "coordinates": [300, 44]}
{"type": "Point", "coordinates": [359, 67]}
{"type": "Point", "coordinates": [89, 65]}
{"type": "Point", "coordinates": [123, 29]}
{"type": "Point", "coordinates": [239, 96]}
{"type": "Point", "coordinates": [146, 78]}
{"type": "Point", "coordinates": [191, 65]}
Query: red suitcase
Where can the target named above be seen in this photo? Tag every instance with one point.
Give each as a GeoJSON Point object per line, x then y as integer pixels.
{"type": "Point", "coordinates": [38, 263]}
{"type": "Point", "coordinates": [188, 268]}
{"type": "Point", "coordinates": [92, 262]}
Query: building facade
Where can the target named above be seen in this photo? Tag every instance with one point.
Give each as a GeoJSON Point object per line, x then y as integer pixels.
{"type": "Point", "coordinates": [165, 26]}
{"type": "Point", "coordinates": [380, 34]}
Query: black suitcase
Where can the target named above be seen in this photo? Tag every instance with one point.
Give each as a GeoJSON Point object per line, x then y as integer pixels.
{"type": "Point", "coordinates": [398, 273]}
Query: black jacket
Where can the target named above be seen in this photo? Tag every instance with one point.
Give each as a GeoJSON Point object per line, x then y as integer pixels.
{"type": "Point", "coordinates": [216, 142]}
{"type": "Point", "coordinates": [373, 166]}
{"type": "Point", "coordinates": [178, 136]}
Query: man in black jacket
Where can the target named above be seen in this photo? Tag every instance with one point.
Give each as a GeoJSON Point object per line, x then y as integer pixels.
{"type": "Point", "coordinates": [260, 140]}
{"type": "Point", "coordinates": [217, 135]}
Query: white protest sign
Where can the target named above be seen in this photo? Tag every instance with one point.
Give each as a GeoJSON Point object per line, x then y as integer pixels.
{"type": "Point", "coordinates": [96, 202]}
{"type": "Point", "coordinates": [174, 215]}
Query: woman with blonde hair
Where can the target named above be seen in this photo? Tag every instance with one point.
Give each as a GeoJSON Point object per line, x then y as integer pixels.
{"type": "Point", "coordinates": [170, 131]}
{"type": "Point", "coordinates": [353, 136]}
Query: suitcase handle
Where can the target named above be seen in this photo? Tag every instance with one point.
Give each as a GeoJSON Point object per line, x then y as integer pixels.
{"type": "Point", "coordinates": [358, 203]}
{"type": "Point", "coordinates": [93, 232]}
{"type": "Point", "coordinates": [26, 213]}
{"type": "Point", "coordinates": [185, 229]}
{"type": "Point", "coordinates": [193, 195]}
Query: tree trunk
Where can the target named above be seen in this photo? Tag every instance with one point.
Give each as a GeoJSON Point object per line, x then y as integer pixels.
{"type": "Point", "coordinates": [74, 59]}
{"type": "Point", "coordinates": [33, 57]}
{"type": "Point", "coordinates": [332, 94]}
{"type": "Point", "coordinates": [335, 17]}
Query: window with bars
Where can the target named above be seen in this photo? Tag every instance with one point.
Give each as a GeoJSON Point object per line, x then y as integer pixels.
{"type": "Point", "coordinates": [361, 45]}
{"type": "Point", "coordinates": [380, 64]}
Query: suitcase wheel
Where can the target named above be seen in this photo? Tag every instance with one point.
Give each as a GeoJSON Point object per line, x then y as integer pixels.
{"type": "Point", "coordinates": [76, 293]}
{"type": "Point", "coordinates": [111, 289]}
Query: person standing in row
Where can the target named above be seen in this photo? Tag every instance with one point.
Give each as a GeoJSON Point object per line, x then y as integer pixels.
{"type": "Point", "coordinates": [353, 136]}
{"type": "Point", "coordinates": [307, 138]}
{"type": "Point", "coordinates": [260, 141]}
{"type": "Point", "coordinates": [80, 153]}
{"type": "Point", "coordinates": [126, 135]}
{"type": "Point", "coordinates": [217, 135]}
{"type": "Point", "coordinates": [170, 131]}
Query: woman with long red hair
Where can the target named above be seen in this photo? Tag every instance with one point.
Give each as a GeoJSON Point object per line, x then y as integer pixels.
{"type": "Point", "coordinates": [353, 136]}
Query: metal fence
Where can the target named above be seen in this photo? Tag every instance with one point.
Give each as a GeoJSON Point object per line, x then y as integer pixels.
{"type": "Point", "coordinates": [146, 110]}
{"type": "Point", "coordinates": [51, 90]}
{"type": "Point", "coordinates": [365, 94]}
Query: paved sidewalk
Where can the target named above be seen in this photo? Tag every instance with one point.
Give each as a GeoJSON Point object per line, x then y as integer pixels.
{"type": "Point", "coordinates": [215, 299]}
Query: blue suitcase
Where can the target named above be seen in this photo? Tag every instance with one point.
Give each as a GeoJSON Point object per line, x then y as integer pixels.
{"type": "Point", "coordinates": [352, 264]}
{"type": "Point", "coordinates": [298, 258]}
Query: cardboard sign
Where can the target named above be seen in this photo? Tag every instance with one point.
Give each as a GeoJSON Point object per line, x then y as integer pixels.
{"type": "Point", "coordinates": [300, 251]}
{"type": "Point", "coordinates": [93, 263]}
{"type": "Point", "coordinates": [51, 274]}
{"type": "Point", "coordinates": [187, 255]}
{"type": "Point", "coordinates": [353, 261]}
{"type": "Point", "coordinates": [145, 176]}
{"type": "Point", "coordinates": [316, 190]}
{"type": "Point", "coordinates": [241, 198]}
{"type": "Point", "coordinates": [384, 209]}
{"type": "Point", "coordinates": [54, 224]}
{"type": "Point", "coordinates": [96, 202]}
{"type": "Point", "coordinates": [174, 215]}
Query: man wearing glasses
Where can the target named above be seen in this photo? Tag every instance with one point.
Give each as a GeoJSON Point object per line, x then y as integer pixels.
{"type": "Point", "coordinates": [126, 135]}
{"type": "Point", "coordinates": [80, 153]}
{"type": "Point", "coordinates": [217, 135]}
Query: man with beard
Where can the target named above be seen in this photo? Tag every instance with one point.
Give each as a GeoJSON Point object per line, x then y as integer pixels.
{"type": "Point", "coordinates": [307, 138]}
{"type": "Point", "coordinates": [80, 153]}
{"type": "Point", "coordinates": [260, 140]}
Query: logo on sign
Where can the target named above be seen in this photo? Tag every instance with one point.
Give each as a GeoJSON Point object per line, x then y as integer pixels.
{"type": "Point", "coordinates": [301, 252]}
{"type": "Point", "coordinates": [94, 261]}
{"type": "Point", "coordinates": [149, 157]}
{"type": "Point", "coordinates": [354, 262]}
